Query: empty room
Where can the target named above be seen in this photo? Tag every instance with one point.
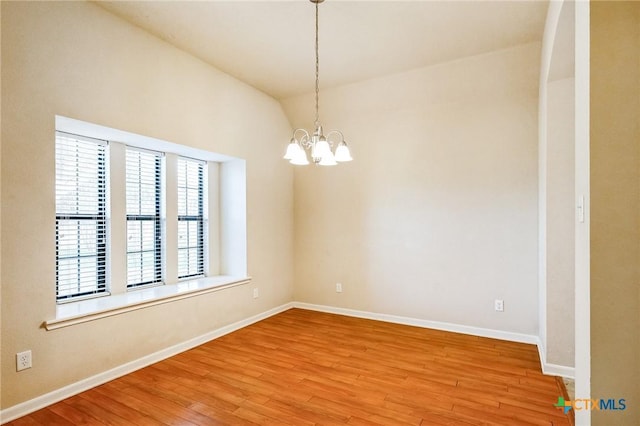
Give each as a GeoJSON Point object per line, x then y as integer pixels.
{"type": "Point", "coordinates": [315, 212]}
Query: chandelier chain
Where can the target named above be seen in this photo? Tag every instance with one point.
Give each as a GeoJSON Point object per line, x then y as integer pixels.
{"type": "Point", "coordinates": [319, 145]}
{"type": "Point", "coordinates": [317, 121]}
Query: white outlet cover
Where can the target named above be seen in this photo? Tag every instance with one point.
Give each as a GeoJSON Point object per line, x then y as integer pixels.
{"type": "Point", "coordinates": [23, 360]}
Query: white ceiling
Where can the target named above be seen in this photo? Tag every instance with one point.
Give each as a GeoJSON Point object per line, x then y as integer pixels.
{"type": "Point", "coordinates": [269, 44]}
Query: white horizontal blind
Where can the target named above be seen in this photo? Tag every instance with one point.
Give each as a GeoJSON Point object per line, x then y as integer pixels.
{"type": "Point", "coordinates": [81, 222]}
{"type": "Point", "coordinates": [144, 227]}
{"type": "Point", "coordinates": [191, 230]}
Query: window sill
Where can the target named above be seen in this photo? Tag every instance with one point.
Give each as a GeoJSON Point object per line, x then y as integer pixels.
{"type": "Point", "coordinates": [92, 309]}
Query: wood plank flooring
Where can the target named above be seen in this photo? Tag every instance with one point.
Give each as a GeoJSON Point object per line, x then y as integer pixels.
{"type": "Point", "coordinates": [309, 368]}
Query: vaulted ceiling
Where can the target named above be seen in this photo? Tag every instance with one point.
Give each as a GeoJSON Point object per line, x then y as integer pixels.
{"type": "Point", "coordinates": [270, 44]}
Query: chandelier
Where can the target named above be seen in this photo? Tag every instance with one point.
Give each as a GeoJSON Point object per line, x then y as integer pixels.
{"type": "Point", "coordinates": [317, 144]}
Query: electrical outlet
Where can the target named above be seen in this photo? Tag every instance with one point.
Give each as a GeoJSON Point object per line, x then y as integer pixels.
{"type": "Point", "coordinates": [23, 360]}
{"type": "Point", "coordinates": [256, 293]}
{"type": "Point", "coordinates": [499, 305]}
{"type": "Point", "coordinates": [338, 287]}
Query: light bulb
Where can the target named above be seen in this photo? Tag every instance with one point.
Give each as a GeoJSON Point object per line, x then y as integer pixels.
{"type": "Point", "coordinates": [328, 159]}
{"type": "Point", "coordinates": [321, 148]}
{"type": "Point", "coordinates": [291, 149]}
{"type": "Point", "coordinates": [342, 153]}
{"type": "Point", "coordinates": [299, 157]}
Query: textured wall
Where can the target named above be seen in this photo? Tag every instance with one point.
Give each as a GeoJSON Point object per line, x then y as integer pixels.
{"type": "Point", "coordinates": [615, 207]}
{"type": "Point", "coordinates": [437, 215]}
{"type": "Point", "coordinates": [77, 60]}
{"type": "Point", "coordinates": [560, 222]}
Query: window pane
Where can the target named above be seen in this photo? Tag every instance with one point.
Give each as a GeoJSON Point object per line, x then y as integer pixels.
{"type": "Point", "coordinates": [183, 234]}
{"type": "Point", "coordinates": [144, 257]}
{"type": "Point", "coordinates": [193, 201]}
{"type": "Point", "coordinates": [134, 236]}
{"type": "Point", "coordinates": [183, 261]}
{"type": "Point", "coordinates": [191, 178]}
{"type": "Point", "coordinates": [182, 204]}
{"type": "Point", "coordinates": [80, 176]}
{"type": "Point", "coordinates": [148, 233]}
{"type": "Point", "coordinates": [134, 262]}
{"type": "Point", "coordinates": [81, 225]}
{"type": "Point", "coordinates": [68, 282]}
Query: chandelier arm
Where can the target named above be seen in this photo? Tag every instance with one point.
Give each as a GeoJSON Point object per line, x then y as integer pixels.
{"type": "Point", "coordinates": [306, 134]}
{"type": "Point", "coordinates": [305, 140]}
{"type": "Point", "coordinates": [338, 132]}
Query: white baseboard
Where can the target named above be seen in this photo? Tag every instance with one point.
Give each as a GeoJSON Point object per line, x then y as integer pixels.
{"type": "Point", "coordinates": [550, 369]}
{"type": "Point", "coordinates": [437, 325]}
{"type": "Point", "coordinates": [57, 395]}
{"type": "Point", "coordinates": [554, 369]}
{"type": "Point", "coordinates": [559, 370]}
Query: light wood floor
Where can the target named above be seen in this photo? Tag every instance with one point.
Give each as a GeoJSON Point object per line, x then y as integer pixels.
{"type": "Point", "coordinates": [308, 368]}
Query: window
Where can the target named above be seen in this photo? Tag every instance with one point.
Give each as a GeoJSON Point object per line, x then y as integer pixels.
{"type": "Point", "coordinates": [137, 218]}
{"type": "Point", "coordinates": [81, 216]}
{"type": "Point", "coordinates": [191, 178]}
{"type": "Point", "coordinates": [144, 226]}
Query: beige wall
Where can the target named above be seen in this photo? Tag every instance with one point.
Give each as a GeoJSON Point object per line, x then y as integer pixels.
{"type": "Point", "coordinates": [615, 203]}
{"type": "Point", "coordinates": [437, 216]}
{"type": "Point", "coordinates": [76, 60]}
{"type": "Point", "coordinates": [560, 222]}
{"type": "Point", "coordinates": [0, 211]}
{"type": "Point", "coordinates": [556, 182]}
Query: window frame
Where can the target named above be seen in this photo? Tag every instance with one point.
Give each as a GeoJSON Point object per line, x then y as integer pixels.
{"type": "Point", "coordinates": [101, 226]}
{"type": "Point", "coordinates": [157, 218]}
{"type": "Point", "coordinates": [225, 256]}
{"type": "Point", "coordinates": [199, 219]}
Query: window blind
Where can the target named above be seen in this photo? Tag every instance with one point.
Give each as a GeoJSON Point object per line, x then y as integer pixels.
{"type": "Point", "coordinates": [144, 226]}
{"type": "Point", "coordinates": [81, 222]}
{"type": "Point", "coordinates": [191, 230]}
